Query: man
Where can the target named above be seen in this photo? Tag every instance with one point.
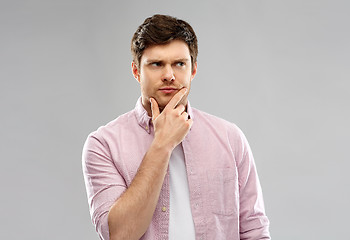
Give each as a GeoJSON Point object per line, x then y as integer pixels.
{"type": "Point", "coordinates": [165, 170]}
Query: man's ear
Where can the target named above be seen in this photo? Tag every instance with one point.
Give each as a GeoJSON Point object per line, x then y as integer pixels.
{"type": "Point", "coordinates": [194, 70]}
{"type": "Point", "coordinates": [135, 71]}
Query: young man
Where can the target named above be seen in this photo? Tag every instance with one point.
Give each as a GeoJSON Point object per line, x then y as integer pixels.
{"type": "Point", "coordinates": [166, 170]}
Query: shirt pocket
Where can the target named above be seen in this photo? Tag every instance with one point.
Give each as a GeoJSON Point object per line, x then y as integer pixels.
{"type": "Point", "coordinates": [223, 191]}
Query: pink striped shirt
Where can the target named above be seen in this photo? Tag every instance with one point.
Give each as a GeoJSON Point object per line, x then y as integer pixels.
{"type": "Point", "coordinates": [225, 194]}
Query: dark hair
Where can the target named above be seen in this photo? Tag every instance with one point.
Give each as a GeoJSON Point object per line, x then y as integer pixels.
{"type": "Point", "coordinates": [161, 29]}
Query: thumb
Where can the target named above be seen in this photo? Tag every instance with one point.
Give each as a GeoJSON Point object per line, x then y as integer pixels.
{"type": "Point", "coordinates": [154, 108]}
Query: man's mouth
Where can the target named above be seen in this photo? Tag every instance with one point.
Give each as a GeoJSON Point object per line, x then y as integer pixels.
{"type": "Point", "coordinates": [167, 90]}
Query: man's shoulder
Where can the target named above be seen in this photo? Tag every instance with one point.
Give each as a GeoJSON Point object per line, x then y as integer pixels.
{"type": "Point", "coordinates": [115, 125]}
{"type": "Point", "coordinates": [212, 119]}
{"type": "Point", "coordinates": [217, 124]}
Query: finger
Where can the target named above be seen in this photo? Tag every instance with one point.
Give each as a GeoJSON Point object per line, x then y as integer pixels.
{"type": "Point", "coordinates": [180, 108]}
{"type": "Point", "coordinates": [190, 122]}
{"type": "Point", "coordinates": [176, 99]}
{"type": "Point", "coordinates": [154, 108]}
{"type": "Point", "coordinates": [185, 115]}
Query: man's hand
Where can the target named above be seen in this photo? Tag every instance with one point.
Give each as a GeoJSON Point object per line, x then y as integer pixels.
{"type": "Point", "coordinates": [172, 125]}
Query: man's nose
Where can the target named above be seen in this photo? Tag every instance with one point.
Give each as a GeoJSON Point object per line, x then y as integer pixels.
{"type": "Point", "coordinates": [168, 74]}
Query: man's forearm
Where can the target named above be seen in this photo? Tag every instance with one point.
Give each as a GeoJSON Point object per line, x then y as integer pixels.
{"type": "Point", "coordinates": [131, 214]}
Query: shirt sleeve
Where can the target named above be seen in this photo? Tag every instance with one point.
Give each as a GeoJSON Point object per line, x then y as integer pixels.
{"type": "Point", "coordinates": [254, 223]}
{"type": "Point", "coordinates": [104, 184]}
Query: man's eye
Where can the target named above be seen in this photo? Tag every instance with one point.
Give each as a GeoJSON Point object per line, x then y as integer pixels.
{"type": "Point", "coordinates": [180, 64]}
{"type": "Point", "coordinates": [155, 64]}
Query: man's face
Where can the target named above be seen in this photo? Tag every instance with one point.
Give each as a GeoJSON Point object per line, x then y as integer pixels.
{"type": "Point", "coordinates": [163, 71]}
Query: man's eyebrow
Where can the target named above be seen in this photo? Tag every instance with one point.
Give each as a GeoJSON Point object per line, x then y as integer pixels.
{"type": "Point", "coordinates": [182, 60]}
{"type": "Point", "coordinates": [159, 60]}
{"type": "Point", "coordinates": [153, 60]}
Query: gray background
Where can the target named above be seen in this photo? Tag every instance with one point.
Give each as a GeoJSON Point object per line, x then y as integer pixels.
{"type": "Point", "coordinates": [278, 69]}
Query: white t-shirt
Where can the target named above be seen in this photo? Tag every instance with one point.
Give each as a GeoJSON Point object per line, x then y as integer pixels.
{"type": "Point", "coordinates": [181, 224]}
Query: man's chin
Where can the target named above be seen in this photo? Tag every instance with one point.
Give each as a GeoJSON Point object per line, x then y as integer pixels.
{"type": "Point", "coordinates": [163, 101]}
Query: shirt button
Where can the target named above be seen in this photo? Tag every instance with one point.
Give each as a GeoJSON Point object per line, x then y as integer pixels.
{"type": "Point", "coordinates": [163, 209]}
{"type": "Point", "coordinates": [147, 128]}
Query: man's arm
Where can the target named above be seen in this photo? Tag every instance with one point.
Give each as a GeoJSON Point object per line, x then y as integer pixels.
{"type": "Point", "coordinates": [254, 223]}
{"type": "Point", "coordinates": [130, 216]}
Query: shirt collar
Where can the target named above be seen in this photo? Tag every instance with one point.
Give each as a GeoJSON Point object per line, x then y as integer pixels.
{"type": "Point", "coordinates": [145, 121]}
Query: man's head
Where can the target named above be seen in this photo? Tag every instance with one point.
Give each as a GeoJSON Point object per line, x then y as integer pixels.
{"type": "Point", "coordinates": [159, 30]}
{"type": "Point", "coordinates": [164, 58]}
